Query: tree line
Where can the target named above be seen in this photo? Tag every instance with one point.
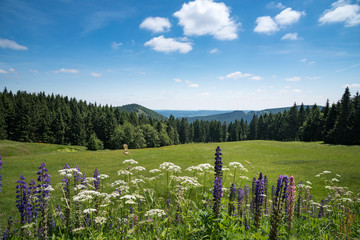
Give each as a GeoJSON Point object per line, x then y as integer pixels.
{"type": "Point", "coordinates": [31, 117]}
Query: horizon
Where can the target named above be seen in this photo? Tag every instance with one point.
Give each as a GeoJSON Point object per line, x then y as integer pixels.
{"type": "Point", "coordinates": [176, 55]}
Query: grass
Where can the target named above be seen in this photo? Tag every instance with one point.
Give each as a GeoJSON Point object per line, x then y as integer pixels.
{"type": "Point", "coordinates": [303, 160]}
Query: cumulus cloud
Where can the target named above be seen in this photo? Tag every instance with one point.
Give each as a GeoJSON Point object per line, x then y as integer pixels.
{"type": "Point", "coordinates": [167, 45]}
{"type": "Point", "coordinates": [238, 75]}
{"type": "Point", "coordinates": [2, 71]}
{"type": "Point", "coordinates": [290, 36]}
{"type": "Point", "coordinates": [297, 90]}
{"type": "Point", "coordinates": [293, 79]}
{"type": "Point", "coordinates": [65, 70]}
{"type": "Point", "coordinates": [206, 17]}
{"type": "Point", "coordinates": [6, 43]}
{"type": "Point", "coordinates": [34, 70]}
{"type": "Point", "coordinates": [178, 80]}
{"type": "Point", "coordinates": [95, 74]}
{"type": "Point", "coordinates": [288, 17]}
{"type": "Point", "coordinates": [156, 24]}
{"type": "Point", "coordinates": [278, 5]}
{"type": "Point", "coordinates": [342, 11]}
{"type": "Point", "coordinates": [116, 45]}
{"type": "Point", "coordinates": [269, 25]}
{"type": "Point", "coordinates": [266, 25]}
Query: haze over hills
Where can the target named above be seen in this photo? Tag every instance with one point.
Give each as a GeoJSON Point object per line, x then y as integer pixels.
{"type": "Point", "coordinates": [191, 113]}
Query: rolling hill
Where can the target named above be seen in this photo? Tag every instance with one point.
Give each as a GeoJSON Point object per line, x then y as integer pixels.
{"type": "Point", "coordinates": [142, 110]}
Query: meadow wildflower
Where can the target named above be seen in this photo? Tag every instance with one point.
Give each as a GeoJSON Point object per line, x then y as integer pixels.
{"type": "Point", "coordinates": [1, 163]}
{"type": "Point", "coordinates": [130, 161]}
{"type": "Point", "coordinates": [290, 202]}
{"type": "Point", "coordinates": [154, 170]}
{"type": "Point", "coordinates": [155, 213]}
{"type": "Point", "coordinates": [217, 191]}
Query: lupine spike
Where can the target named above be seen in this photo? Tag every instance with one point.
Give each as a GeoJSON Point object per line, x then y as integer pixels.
{"type": "Point", "coordinates": [217, 192]}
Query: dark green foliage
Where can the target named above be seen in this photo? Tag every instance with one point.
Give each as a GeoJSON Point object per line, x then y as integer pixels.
{"type": "Point", "coordinates": [94, 143]}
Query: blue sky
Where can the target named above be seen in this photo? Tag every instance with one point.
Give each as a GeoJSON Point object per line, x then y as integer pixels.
{"type": "Point", "coordinates": [200, 54]}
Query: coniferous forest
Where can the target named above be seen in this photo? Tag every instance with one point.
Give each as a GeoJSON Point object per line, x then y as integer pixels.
{"type": "Point", "coordinates": [31, 117]}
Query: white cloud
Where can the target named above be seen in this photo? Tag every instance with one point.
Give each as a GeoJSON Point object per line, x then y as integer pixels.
{"type": "Point", "coordinates": [168, 45]}
{"type": "Point", "coordinates": [293, 79]}
{"type": "Point", "coordinates": [116, 45]}
{"type": "Point", "coordinates": [205, 94]}
{"type": "Point", "coordinates": [290, 36]}
{"type": "Point", "coordinates": [260, 90]}
{"type": "Point", "coordinates": [313, 78]}
{"type": "Point", "coordinates": [237, 75]}
{"type": "Point", "coordinates": [342, 11]}
{"type": "Point", "coordinates": [297, 90]}
{"type": "Point", "coordinates": [2, 71]}
{"type": "Point", "coordinates": [256, 78]}
{"type": "Point", "coordinates": [266, 25]}
{"type": "Point", "coordinates": [206, 17]}
{"type": "Point", "coordinates": [156, 24]}
{"type": "Point", "coordinates": [354, 85]}
{"type": "Point", "coordinates": [34, 70]}
{"type": "Point", "coordinates": [177, 80]}
{"type": "Point", "coordinates": [288, 17]}
{"type": "Point", "coordinates": [278, 5]}
{"type": "Point", "coordinates": [65, 70]}
{"type": "Point", "coordinates": [304, 60]}
{"type": "Point", "coordinates": [194, 85]}
{"type": "Point", "coordinates": [215, 50]}
{"type": "Point", "coordinates": [12, 70]}
{"type": "Point", "coordinates": [6, 43]}
{"type": "Point", "coordinates": [95, 74]}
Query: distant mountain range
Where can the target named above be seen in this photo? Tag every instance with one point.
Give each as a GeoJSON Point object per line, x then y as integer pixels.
{"type": "Point", "coordinates": [190, 113]}
{"type": "Point", "coordinates": [206, 115]}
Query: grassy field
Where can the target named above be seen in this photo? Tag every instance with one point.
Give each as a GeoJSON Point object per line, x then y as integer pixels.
{"type": "Point", "coordinates": [303, 160]}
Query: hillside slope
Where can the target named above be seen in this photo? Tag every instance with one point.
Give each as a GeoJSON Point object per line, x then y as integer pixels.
{"type": "Point", "coordinates": [142, 110]}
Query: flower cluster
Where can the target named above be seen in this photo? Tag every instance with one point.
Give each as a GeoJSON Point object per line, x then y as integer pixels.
{"type": "Point", "coordinates": [217, 192]}
{"type": "Point", "coordinates": [169, 166]}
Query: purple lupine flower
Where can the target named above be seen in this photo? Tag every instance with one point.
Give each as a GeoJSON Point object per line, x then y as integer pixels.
{"type": "Point", "coordinates": [278, 201]}
{"type": "Point", "coordinates": [290, 202]}
{"type": "Point", "coordinates": [231, 206]}
{"type": "Point", "coordinates": [1, 163]}
{"type": "Point", "coordinates": [266, 185]}
{"type": "Point", "coordinates": [247, 227]}
{"type": "Point", "coordinates": [246, 193]}
{"type": "Point", "coordinates": [258, 200]}
{"type": "Point", "coordinates": [96, 180]}
{"type": "Point", "coordinates": [240, 200]}
{"type": "Point", "coordinates": [217, 192]}
{"type": "Point", "coordinates": [65, 181]}
{"type": "Point", "coordinates": [168, 201]}
{"type": "Point", "coordinates": [23, 200]}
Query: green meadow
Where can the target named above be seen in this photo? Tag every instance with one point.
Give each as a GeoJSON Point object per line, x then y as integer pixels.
{"type": "Point", "coordinates": [272, 158]}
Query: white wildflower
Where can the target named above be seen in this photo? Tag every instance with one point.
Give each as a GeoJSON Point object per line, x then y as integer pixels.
{"type": "Point", "coordinates": [328, 187]}
{"type": "Point", "coordinates": [194, 168]}
{"type": "Point", "coordinates": [100, 220]}
{"type": "Point", "coordinates": [155, 212]}
{"type": "Point", "coordinates": [136, 181]}
{"type": "Point", "coordinates": [308, 187]}
{"type": "Point", "coordinates": [124, 172]}
{"type": "Point", "coordinates": [131, 202]}
{"type": "Point", "coordinates": [169, 166]}
{"type": "Point", "coordinates": [78, 229]}
{"type": "Point", "coordinates": [154, 170]}
{"type": "Point", "coordinates": [338, 175]}
{"type": "Point", "coordinates": [90, 179]}
{"type": "Point", "coordinates": [103, 176]}
{"type": "Point", "coordinates": [130, 161]}
{"type": "Point", "coordinates": [118, 183]}
{"type": "Point", "coordinates": [237, 165]}
{"type": "Point", "coordinates": [89, 210]}
{"type": "Point", "coordinates": [326, 172]}
{"type": "Point", "coordinates": [128, 197]}
{"type": "Point", "coordinates": [335, 180]}
{"type": "Point", "coordinates": [318, 175]}
{"type": "Point", "coordinates": [138, 168]}
{"type": "Point", "coordinates": [205, 166]}
{"type": "Point", "coordinates": [244, 178]}
{"type": "Point", "coordinates": [79, 187]}
{"type": "Point", "coordinates": [225, 169]}
{"type": "Point", "coordinates": [308, 182]}
{"type": "Point", "coordinates": [49, 188]}
{"type": "Point", "coordinates": [346, 200]}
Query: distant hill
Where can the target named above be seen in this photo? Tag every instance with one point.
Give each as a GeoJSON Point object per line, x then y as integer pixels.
{"type": "Point", "coordinates": [142, 110]}
{"type": "Point", "coordinates": [190, 113]}
{"type": "Point", "coordinates": [238, 115]}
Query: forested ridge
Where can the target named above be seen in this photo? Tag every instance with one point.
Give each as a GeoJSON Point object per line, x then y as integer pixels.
{"type": "Point", "coordinates": [32, 117]}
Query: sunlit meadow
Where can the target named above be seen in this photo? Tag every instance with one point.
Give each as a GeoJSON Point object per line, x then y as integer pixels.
{"type": "Point", "coordinates": [198, 195]}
